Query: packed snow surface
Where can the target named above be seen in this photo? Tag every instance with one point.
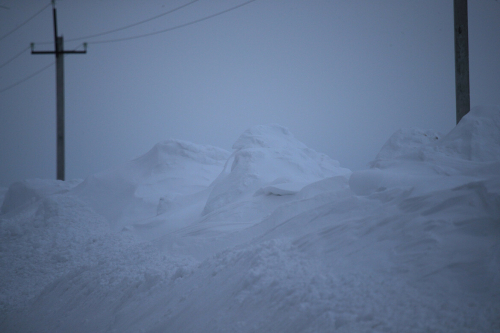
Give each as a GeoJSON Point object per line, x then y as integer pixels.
{"type": "Point", "coordinates": [271, 237]}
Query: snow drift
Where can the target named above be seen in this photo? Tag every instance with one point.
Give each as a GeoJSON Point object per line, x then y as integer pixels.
{"type": "Point", "coordinates": [271, 238]}
{"type": "Point", "coordinates": [413, 159]}
{"type": "Point", "coordinates": [268, 155]}
{"type": "Point", "coordinates": [21, 194]}
{"type": "Point", "coordinates": [131, 192]}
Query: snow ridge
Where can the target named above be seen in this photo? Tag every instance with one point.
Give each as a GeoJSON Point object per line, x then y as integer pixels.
{"type": "Point", "coordinates": [268, 155]}
{"type": "Point", "coordinates": [273, 237]}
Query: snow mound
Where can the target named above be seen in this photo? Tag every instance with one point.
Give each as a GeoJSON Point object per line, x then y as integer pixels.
{"type": "Point", "coordinates": [267, 136]}
{"type": "Point", "coordinates": [29, 191]}
{"type": "Point", "coordinates": [406, 142]}
{"type": "Point", "coordinates": [476, 137]}
{"type": "Point", "coordinates": [3, 192]}
{"type": "Point", "coordinates": [43, 240]}
{"type": "Point", "coordinates": [132, 192]}
{"type": "Point", "coordinates": [295, 244]}
{"type": "Point", "coordinates": [473, 144]}
{"type": "Point", "coordinates": [282, 189]}
{"type": "Point", "coordinates": [268, 155]}
{"type": "Point", "coordinates": [171, 151]}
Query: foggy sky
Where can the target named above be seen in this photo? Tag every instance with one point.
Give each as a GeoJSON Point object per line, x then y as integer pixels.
{"type": "Point", "coordinates": [341, 75]}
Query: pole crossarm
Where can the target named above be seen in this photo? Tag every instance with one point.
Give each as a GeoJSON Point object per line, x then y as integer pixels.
{"type": "Point", "coordinates": [54, 52]}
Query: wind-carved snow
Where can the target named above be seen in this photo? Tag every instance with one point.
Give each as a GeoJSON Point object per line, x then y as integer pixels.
{"type": "Point", "coordinates": [271, 238]}
{"type": "Point", "coordinates": [416, 159]}
{"type": "Point", "coordinates": [131, 192]}
{"type": "Point", "coordinates": [268, 155]}
{"type": "Point", "coordinates": [267, 160]}
{"type": "Point", "coordinates": [407, 143]}
{"type": "Point", "coordinates": [476, 137]}
{"type": "Point", "coordinates": [23, 193]}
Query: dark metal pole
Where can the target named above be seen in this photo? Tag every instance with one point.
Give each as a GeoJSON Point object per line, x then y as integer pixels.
{"type": "Point", "coordinates": [462, 88]}
{"type": "Point", "coordinates": [60, 108]}
{"type": "Point", "coordinates": [54, 19]}
{"type": "Point", "coordinates": [59, 53]}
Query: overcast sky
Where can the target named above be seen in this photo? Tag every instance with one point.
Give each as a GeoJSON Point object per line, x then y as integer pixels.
{"type": "Point", "coordinates": [341, 75]}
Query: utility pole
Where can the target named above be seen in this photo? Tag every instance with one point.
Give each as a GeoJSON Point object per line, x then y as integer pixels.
{"type": "Point", "coordinates": [59, 53]}
{"type": "Point", "coordinates": [462, 91]}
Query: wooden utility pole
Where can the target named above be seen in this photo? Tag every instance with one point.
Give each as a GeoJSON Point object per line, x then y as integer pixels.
{"type": "Point", "coordinates": [59, 53]}
{"type": "Point", "coordinates": [462, 90]}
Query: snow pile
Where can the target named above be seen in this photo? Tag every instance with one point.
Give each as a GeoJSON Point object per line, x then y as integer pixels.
{"type": "Point", "coordinates": [277, 239]}
{"type": "Point", "coordinates": [267, 160]}
{"type": "Point", "coordinates": [43, 241]}
{"type": "Point", "coordinates": [132, 192]}
{"type": "Point", "coordinates": [21, 194]}
{"type": "Point", "coordinates": [419, 160]}
{"type": "Point", "coordinates": [476, 137]}
{"type": "Point", "coordinates": [406, 143]}
{"type": "Point", "coordinates": [269, 155]}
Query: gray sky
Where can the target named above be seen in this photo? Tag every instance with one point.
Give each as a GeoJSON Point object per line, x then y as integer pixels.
{"type": "Point", "coordinates": [341, 75]}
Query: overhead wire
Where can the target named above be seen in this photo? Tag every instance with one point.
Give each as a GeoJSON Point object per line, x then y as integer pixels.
{"type": "Point", "coordinates": [124, 27]}
{"type": "Point", "coordinates": [150, 19]}
{"type": "Point", "coordinates": [15, 57]}
{"type": "Point", "coordinates": [174, 27]}
{"type": "Point", "coordinates": [32, 17]}
{"type": "Point", "coordinates": [27, 78]}
{"type": "Point", "coordinates": [133, 24]}
{"type": "Point", "coordinates": [129, 38]}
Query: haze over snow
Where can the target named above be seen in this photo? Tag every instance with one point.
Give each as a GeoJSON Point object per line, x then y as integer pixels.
{"type": "Point", "coordinates": [269, 237]}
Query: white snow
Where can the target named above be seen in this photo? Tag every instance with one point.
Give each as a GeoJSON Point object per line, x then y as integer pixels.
{"type": "Point", "coordinates": [131, 192]}
{"type": "Point", "coordinates": [268, 155]}
{"type": "Point", "coordinates": [23, 193]}
{"type": "Point", "coordinates": [273, 237]}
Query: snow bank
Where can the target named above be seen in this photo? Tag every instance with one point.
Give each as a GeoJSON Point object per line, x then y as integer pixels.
{"type": "Point", "coordinates": [3, 192]}
{"type": "Point", "coordinates": [132, 192]}
{"type": "Point", "coordinates": [268, 155]}
{"type": "Point", "coordinates": [29, 191]}
{"type": "Point", "coordinates": [476, 137]}
{"type": "Point", "coordinates": [410, 245]}
{"type": "Point", "coordinates": [44, 240]}
{"type": "Point", "coordinates": [407, 143]}
{"type": "Point", "coordinates": [268, 161]}
{"type": "Point", "coordinates": [414, 159]}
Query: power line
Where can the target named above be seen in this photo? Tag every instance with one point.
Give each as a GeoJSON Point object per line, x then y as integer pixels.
{"type": "Point", "coordinates": [14, 57]}
{"type": "Point", "coordinates": [132, 25]}
{"type": "Point", "coordinates": [175, 27]}
{"type": "Point", "coordinates": [134, 37]}
{"type": "Point", "coordinates": [19, 26]}
{"type": "Point", "coordinates": [124, 27]}
{"type": "Point", "coordinates": [27, 78]}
